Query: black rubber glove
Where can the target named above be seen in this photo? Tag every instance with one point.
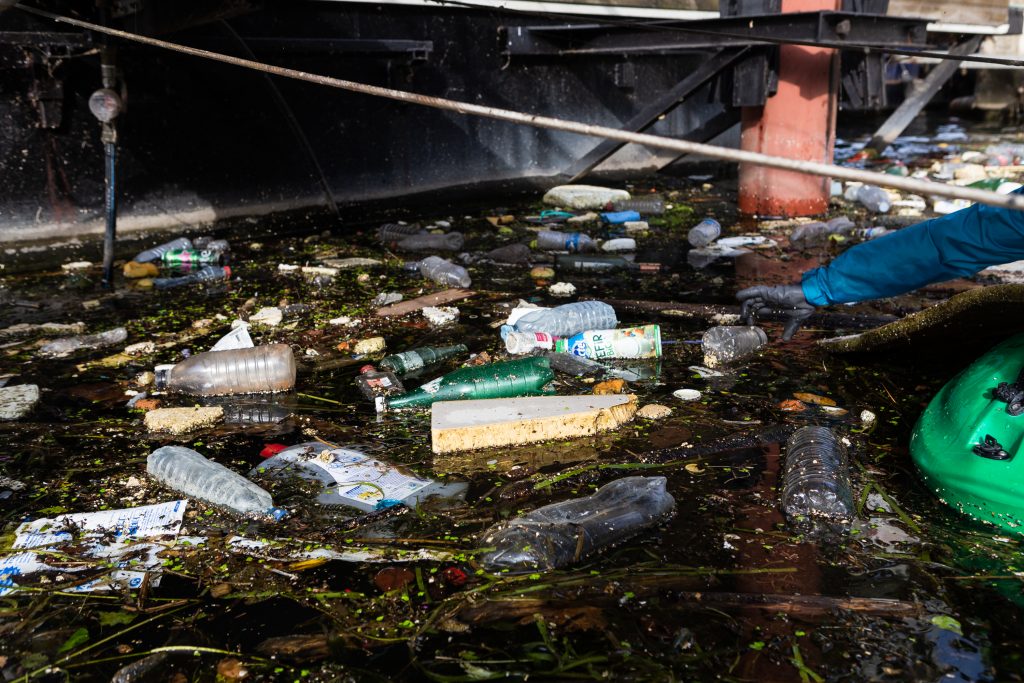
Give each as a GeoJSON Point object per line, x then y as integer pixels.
{"type": "Point", "coordinates": [785, 299]}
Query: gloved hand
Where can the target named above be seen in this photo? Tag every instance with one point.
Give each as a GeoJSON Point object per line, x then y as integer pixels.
{"type": "Point", "coordinates": [786, 299]}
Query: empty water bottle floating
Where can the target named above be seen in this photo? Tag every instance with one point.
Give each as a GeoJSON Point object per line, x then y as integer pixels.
{"type": "Point", "coordinates": [258, 370]}
{"type": "Point", "coordinates": [727, 343]}
{"type": "Point", "coordinates": [155, 253]}
{"type": "Point", "coordinates": [564, 533]}
{"type": "Point", "coordinates": [188, 472]}
{"type": "Point", "coordinates": [704, 233]}
{"type": "Point", "coordinates": [816, 493]}
{"type": "Point", "coordinates": [552, 240]}
{"type": "Point", "coordinates": [562, 321]}
{"type": "Point", "coordinates": [444, 272]}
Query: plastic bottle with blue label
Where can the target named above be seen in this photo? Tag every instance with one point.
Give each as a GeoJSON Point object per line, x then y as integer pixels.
{"type": "Point", "coordinates": [552, 240]}
{"type": "Point", "coordinates": [562, 321]}
{"type": "Point", "coordinates": [188, 472]}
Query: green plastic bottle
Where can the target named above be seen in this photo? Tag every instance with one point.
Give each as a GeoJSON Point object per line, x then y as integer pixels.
{"type": "Point", "coordinates": [523, 377]}
{"type": "Point", "coordinates": [423, 357]}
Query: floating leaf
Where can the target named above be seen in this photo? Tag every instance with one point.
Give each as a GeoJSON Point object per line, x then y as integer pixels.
{"type": "Point", "coordinates": [948, 623]}
{"type": "Point", "coordinates": [814, 399]}
{"type": "Point", "coordinates": [77, 638]}
{"type": "Point", "coordinates": [116, 618]}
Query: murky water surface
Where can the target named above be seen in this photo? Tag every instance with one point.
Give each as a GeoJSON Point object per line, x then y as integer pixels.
{"type": "Point", "coordinates": [722, 591]}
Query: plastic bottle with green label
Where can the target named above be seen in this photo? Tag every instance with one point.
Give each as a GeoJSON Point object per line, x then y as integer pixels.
{"type": "Point", "coordinates": [631, 342]}
{"type": "Point", "coordinates": [423, 357]}
{"type": "Point", "coordinates": [523, 377]}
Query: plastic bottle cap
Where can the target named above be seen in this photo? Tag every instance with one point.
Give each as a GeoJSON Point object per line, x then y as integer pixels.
{"type": "Point", "coordinates": [277, 513]}
{"type": "Point", "coordinates": [367, 368]}
{"type": "Point", "coordinates": [227, 272]}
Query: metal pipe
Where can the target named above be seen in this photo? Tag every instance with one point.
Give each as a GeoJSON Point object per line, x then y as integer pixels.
{"type": "Point", "coordinates": [922, 187]}
{"type": "Point", "coordinates": [110, 205]}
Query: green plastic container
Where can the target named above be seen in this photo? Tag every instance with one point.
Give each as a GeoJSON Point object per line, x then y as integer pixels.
{"type": "Point", "coordinates": [958, 418]}
{"type": "Point", "coordinates": [523, 377]}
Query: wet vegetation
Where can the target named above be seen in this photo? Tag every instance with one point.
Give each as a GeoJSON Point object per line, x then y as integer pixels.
{"type": "Point", "coordinates": [723, 591]}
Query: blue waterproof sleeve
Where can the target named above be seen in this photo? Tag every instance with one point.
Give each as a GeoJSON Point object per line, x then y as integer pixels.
{"type": "Point", "coordinates": [945, 248]}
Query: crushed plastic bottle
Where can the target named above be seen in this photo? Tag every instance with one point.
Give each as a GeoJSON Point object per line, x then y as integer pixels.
{"type": "Point", "coordinates": [816, 483]}
{"type": "Point", "coordinates": [259, 370]}
{"type": "Point", "coordinates": [565, 320]}
{"type": "Point", "coordinates": [208, 243]}
{"type": "Point", "coordinates": [188, 472]}
{"type": "Point", "coordinates": [450, 241]}
{"type": "Point", "coordinates": [353, 478]}
{"type": "Point", "coordinates": [524, 377]}
{"type": "Point", "coordinates": [874, 198]}
{"type": "Point", "coordinates": [444, 272]}
{"type": "Point", "coordinates": [630, 342]}
{"type": "Point", "coordinates": [812, 234]}
{"type": "Point", "coordinates": [563, 533]}
{"type": "Point", "coordinates": [576, 366]}
{"type": "Point", "coordinates": [726, 343]}
{"type": "Point", "coordinates": [204, 274]}
{"type": "Point", "coordinates": [421, 358]}
{"type": "Point", "coordinates": [157, 252]}
{"type": "Point", "coordinates": [394, 232]}
{"type": "Point", "coordinates": [68, 345]}
{"type": "Point", "coordinates": [552, 240]}
{"type": "Point", "coordinates": [645, 207]}
{"type": "Point", "coordinates": [704, 233]}
{"type": "Point", "coordinates": [511, 253]}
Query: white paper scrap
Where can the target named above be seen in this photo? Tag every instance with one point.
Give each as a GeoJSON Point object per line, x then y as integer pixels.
{"type": "Point", "coordinates": [128, 539]}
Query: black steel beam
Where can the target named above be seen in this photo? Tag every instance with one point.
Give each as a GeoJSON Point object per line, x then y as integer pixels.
{"type": "Point", "coordinates": [670, 99]}
{"type": "Point", "coordinates": [710, 128]}
{"type": "Point", "coordinates": [63, 39]}
{"type": "Point", "coordinates": [833, 28]}
{"type": "Point", "coordinates": [415, 49]}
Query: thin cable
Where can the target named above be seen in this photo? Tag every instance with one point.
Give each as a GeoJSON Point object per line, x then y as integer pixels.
{"type": "Point", "coordinates": [922, 187]}
{"type": "Point", "coordinates": [665, 25]}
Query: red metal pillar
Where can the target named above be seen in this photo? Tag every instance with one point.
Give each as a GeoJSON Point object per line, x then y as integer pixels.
{"type": "Point", "coordinates": [798, 122]}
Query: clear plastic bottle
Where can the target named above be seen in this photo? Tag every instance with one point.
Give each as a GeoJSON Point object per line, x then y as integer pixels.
{"type": "Point", "coordinates": [565, 320]}
{"type": "Point", "coordinates": [157, 252]}
{"type": "Point", "coordinates": [726, 343]}
{"type": "Point", "coordinates": [67, 345]}
{"type": "Point", "coordinates": [259, 370]}
{"type": "Point", "coordinates": [519, 343]}
{"type": "Point", "coordinates": [704, 233]}
{"type": "Point", "coordinates": [816, 483]}
{"type": "Point", "coordinates": [563, 533]}
{"type": "Point", "coordinates": [874, 198]}
{"type": "Point", "coordinates": [394, 232]}
{"type": "Point", "coordinates": [188, 472]}
{"type": "Point", "coordinates": [449, 241]}
{"type": "Point", "coordinates": [204, 274]}
{"type": "Point", "coordinates": [552, 240]}
{"type": "Point", "coordinates": [415, 360]}
{"type": "Point", "coordinates": [511, 253]}
{"type": "Point", "coordinates": [644, 207]}
{"type": "Point", "coordinates": [444, 272]}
